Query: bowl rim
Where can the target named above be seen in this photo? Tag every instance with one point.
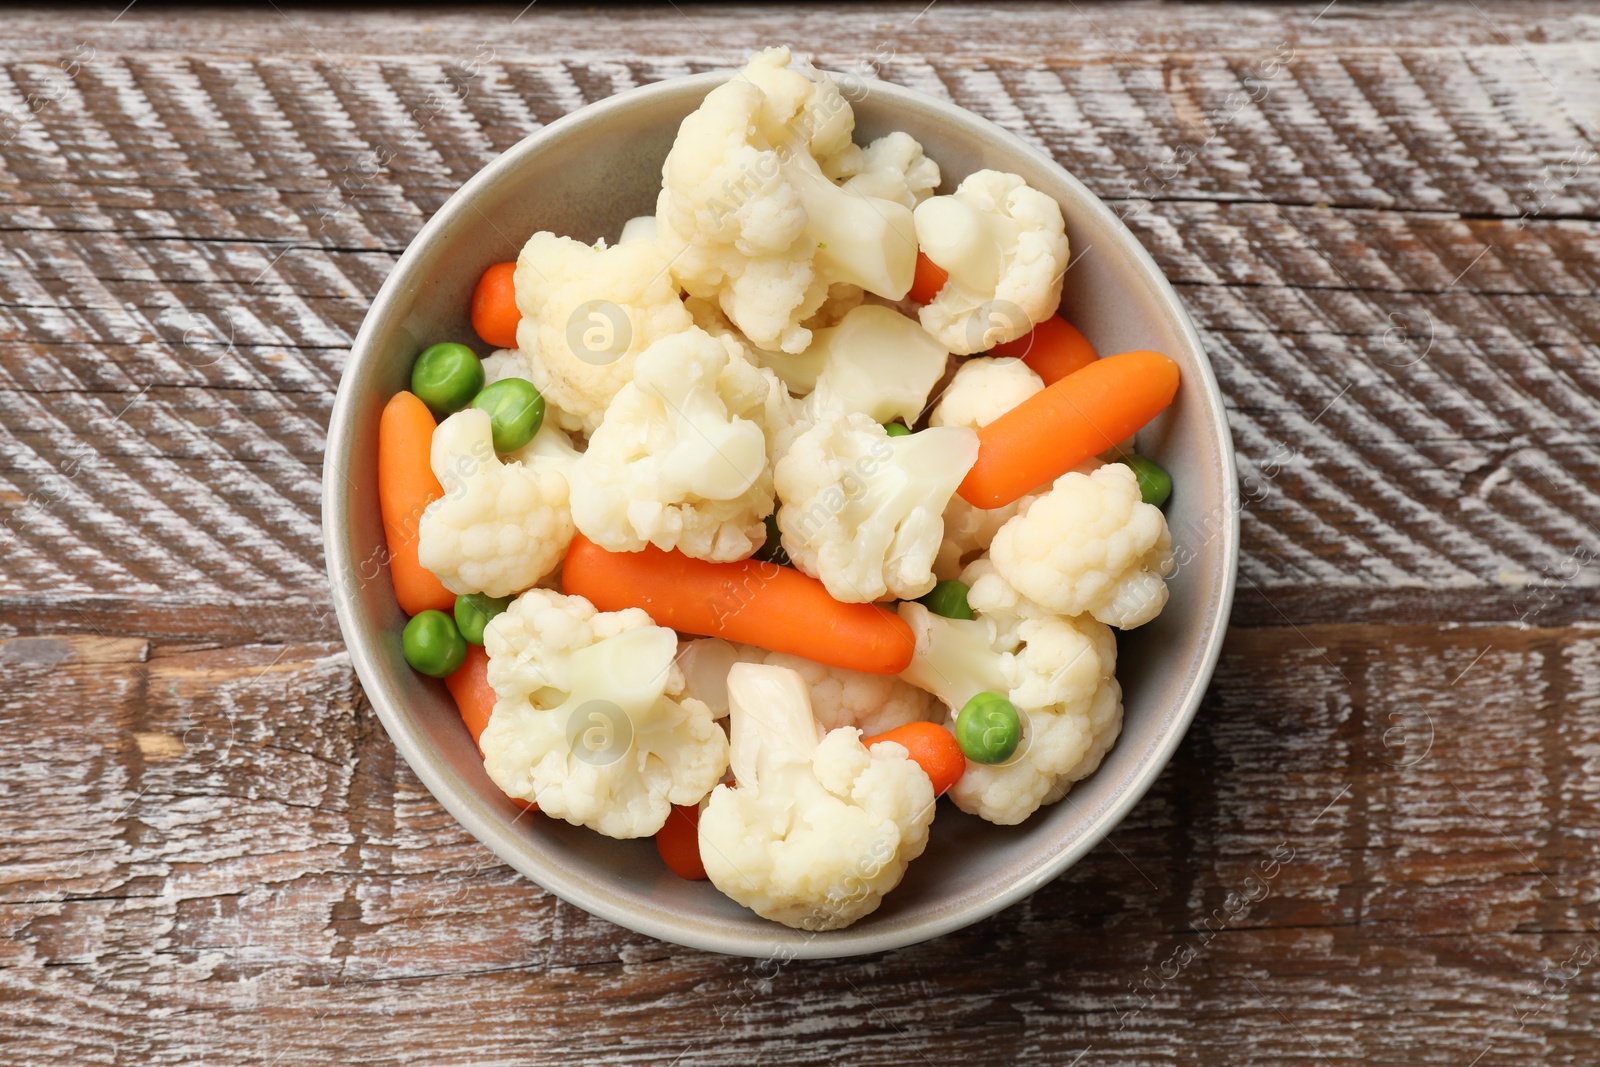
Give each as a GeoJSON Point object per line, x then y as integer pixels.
{"type": "Point", "coordinates": [457, 796]}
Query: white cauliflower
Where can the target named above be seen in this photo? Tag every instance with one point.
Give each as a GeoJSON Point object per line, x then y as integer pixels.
{"type": "Point", "coordinates": [749, 217]}
{"type": "Point", "coordinates": [891, 168]}
{"type": "Point", "coordinates": [1005, 247]}
{"type": "Point", "coordinates": [587, 312]}
{"type": "Point", "coordinates": [639, 228]}
{"type": "Point", "coordinates": [505, 363]}
{"type": "Point", "coordinates": [681, 458]}
{"type": "Point", "coordinates": [873, 703]}
{"type": "Point", "coordinates": [876, 362]}
{"type": "Point", "coordinates": [816, 831]}
{"type": "Point", "coordinates": [1059, 673]}
{"type": "Point", "coordinates": [982, 390]}
{"type": "Point", "coordinates": [1089, 545]}
{"type": "Point", "coordinates": [861, 510]}
{"type": "Point", "coordinates": [588, 722]}
{"type": "Point", "coordinates": [500, 526]}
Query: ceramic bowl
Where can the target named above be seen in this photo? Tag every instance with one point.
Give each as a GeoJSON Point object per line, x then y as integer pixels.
{"type": "Point", "coordinates": [584, 175]}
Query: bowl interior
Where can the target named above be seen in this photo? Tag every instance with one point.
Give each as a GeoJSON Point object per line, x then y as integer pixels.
{"type": "Point", "coordinates": [584, 176]}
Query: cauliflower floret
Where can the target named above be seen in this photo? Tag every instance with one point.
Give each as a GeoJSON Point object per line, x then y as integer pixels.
{"type": "Point", "coordinates": [505, 363]}
{"type": "Point", "coordinates": [873, 703]}
{"type": "Point", "coordinates": [587, 312]}
{"type": "Point", "coordinates": [681, 459]}
{"type": "Point", "coordinates": [639, 228]}
{"type": "Point", "coordinates": [982, 390]}
{"type": "Point", "coordinates": [1061, 675]}
{"type": "Point", "coordinates": [1089, 545]}
{"type": "Point", "coordinates": [892, 168]}
{"type": "Point", "coordinates": [500, 526]}
{"type": "Point", "coordinates": [861, 510]}
{"type": "Point", "coordinates": [747, 215]}
{"type": "Point", "coordinates": [588, 722]}
{"type": "Point", "coordinates": [876, 362]}
{"type": "Point", "coordinates": [1005, 248]}
{"type": "Point", "coordinates": [817, 831]}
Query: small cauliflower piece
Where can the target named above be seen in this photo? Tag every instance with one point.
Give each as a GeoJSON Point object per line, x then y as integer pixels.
{"type": "Point", "coordinates": [590, 721]}
{"type": "Point", "coordinates": [873, 703]}
{"type": "Point", "coordinates": [876, 362]}
{"type": "Point", "coordinates": [1004, 246]}
{"type": "Point", "coordinates": [891, 168]}
{"type": "Point", "coordinates": [1061, 675]}
{"type": "Point", "coordinates": [861, 510]}
{"type": "Point", "coordinates": [681, 458]}
{"type": "Point", "coordinates": [639, 228]}
{"type": "Point", "coordinates": [1089, 545]}
{"type": "Point", "coordinates": [983, 389]}
{"type": "Point", "coordinates": [817, 830]}
{"type": "Point", "coordinates": [749, 216]}
{"type": "Point", "coordinates": [505, 363]}
{"type": "Point", "coordinates": [587, 313]}
{"type": "Point", "coordinates": [500, 526]}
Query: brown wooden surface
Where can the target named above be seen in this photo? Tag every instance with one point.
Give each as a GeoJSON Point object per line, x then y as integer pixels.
{"type": "Point", "coordinates": [1386, 223]}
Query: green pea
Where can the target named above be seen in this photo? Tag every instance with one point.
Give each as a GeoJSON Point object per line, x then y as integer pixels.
{"type": "Point", "coordinates": [473, 612]}
{"type": "Point", "coordinates": [446, 377]}
{"type": "Point", "coordinates": [515, 412]}
{"type": "Point", "coordinates": [1155, 484]}
{"type": "Point", "coordinates": [988, 728]}
{"type": "Point", "coordinates": [432, 644]}
{"type": "Point", "coordinates": [771, 550]}
{"type": "Point", "coordinates": [948, 599]}
{"type": "Point", "coordinates": [897, 429]}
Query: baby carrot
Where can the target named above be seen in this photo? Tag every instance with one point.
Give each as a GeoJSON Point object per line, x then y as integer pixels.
{"type": "Point", "coordinates": [1053, 349]}
{"type": "Point", "coordinates": [1064, 424]}
{"type": "Point", "coordinates": [406, 486]}
{"type": "Point", "coordinates": [678, 841]}
{"type": "Point", "coordinates": [928, 280]}
{"type": "Point", "coordinates": [469, 684]}
{"type": "Point", "coordinates": [761, 604]}
{"type": "Point", "coordinates": [494, 306]}
{"type": "Point", "coordinates": [932, 747]}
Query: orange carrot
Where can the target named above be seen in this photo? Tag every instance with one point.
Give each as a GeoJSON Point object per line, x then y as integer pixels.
{"type": "Point", "coordinates": [469, 684]}
{"type": "Point", "coordinates": [1056, 429]}
{"type": "Point", "coordinates": [928, 280]}
{"type": "Point", "coordinates": [494, 306]}
{"type": "Point", "coordinates": [762, 604]}
{"type": "Point", "coordinates": [933, 748]}
{"type": "Point", "coordinates": [1053, 349]}
{"type": "Point", "coordinates": [678, 841]}
{"type": "Point", "coordinates": [406, 486]}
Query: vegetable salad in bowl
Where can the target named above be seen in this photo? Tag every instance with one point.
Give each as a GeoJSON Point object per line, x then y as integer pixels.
{"type": "Point", "coordinates": [789, 510]}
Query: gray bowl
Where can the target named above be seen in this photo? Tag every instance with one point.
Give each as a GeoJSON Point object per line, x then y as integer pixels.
{"type": "Point", "coordinates": [584, 176]}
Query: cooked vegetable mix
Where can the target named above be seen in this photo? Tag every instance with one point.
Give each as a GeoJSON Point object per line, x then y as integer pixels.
{"type": "Point", "coordinates": [433, 645]}
{"type": "Point", "coordinates": [948, 598]}
{"type": "Point", "coordinates": [1155, 484]}
{"type": "Point", "coordinates": [716, 503]}
{"type": "Point", "coordinates": [446, 377]}
{"type": "Point", "coordinates": [495, 314]}
{"type": "Point", "coordinates": [473, 612]}
{"type": "Point", "coordinates": [988, 728]}
{"type": "Point", "coordinates": [515, 411]}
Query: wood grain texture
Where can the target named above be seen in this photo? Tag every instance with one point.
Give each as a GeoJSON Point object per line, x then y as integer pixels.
{"type": "Point", "coordinates": [1379, 844]}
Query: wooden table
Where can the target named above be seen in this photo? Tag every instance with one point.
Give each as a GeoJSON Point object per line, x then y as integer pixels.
{"type": "Point", "coordinates": [1380, 842]}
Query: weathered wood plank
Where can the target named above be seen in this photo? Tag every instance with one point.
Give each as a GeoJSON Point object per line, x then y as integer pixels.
{"type": "Point", "coordinates": [1412, 808]}
{"type": "Point", "coordinates": [1386, 223]}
